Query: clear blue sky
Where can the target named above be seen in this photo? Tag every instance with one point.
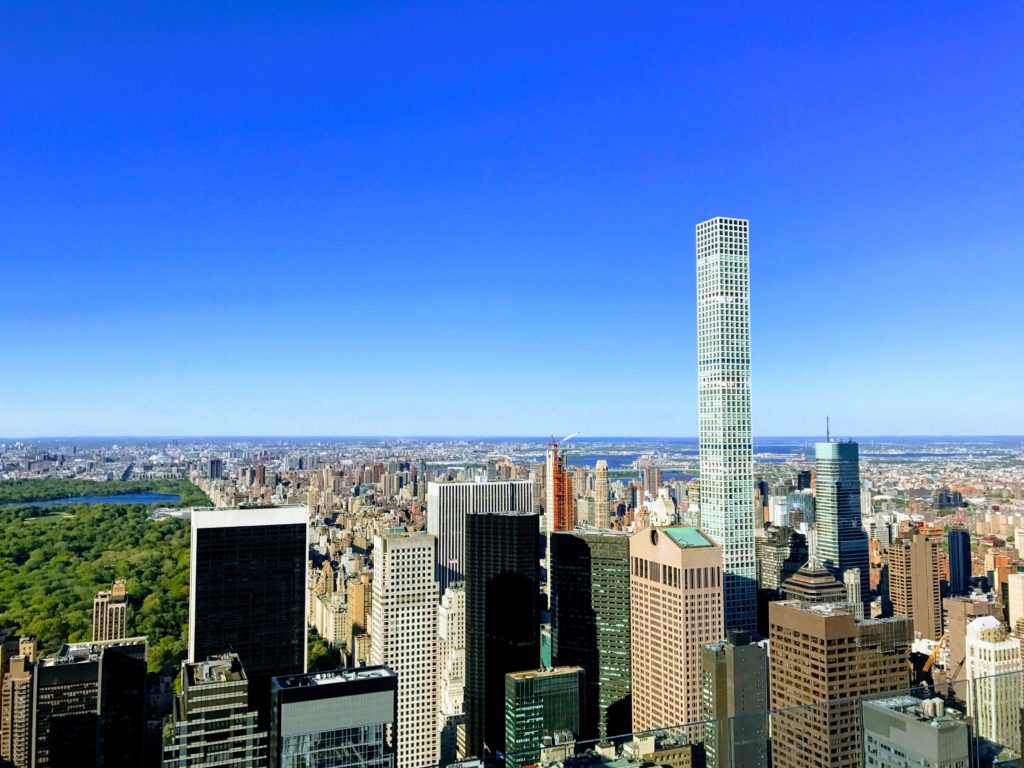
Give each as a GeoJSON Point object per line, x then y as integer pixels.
{"type": "Point", "coordinates": [473, 217]}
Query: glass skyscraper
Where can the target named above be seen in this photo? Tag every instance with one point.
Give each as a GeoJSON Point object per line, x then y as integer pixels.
{"type": "Point", "coordinates": [842, 543]}
{"type": "Point", "coordinates": [590, 623]}
{"type": "Point", "coordinates": [959, 561]}
{"type": "Point", "coordinates": [502, 617]}
{"type": "Point", "coordinates": [726, 443]}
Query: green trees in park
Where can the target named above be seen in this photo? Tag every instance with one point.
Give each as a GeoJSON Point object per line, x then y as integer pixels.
{"type": "Point", "coordinates": [52, 563]}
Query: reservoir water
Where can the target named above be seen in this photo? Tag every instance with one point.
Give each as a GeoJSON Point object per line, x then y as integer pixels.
{"type": "Point", "coordinates": [147, 497]}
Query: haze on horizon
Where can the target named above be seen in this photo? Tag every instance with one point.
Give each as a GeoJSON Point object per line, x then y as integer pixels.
{"type": "Point", "coordinates": [411, 221]}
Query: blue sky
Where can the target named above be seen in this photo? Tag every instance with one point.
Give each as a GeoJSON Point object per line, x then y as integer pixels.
{"type": "Point", "coordinates": [473, 217]}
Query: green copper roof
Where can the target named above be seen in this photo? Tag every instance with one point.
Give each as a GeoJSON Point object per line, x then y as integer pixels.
{"type": "Point", "coordinates": [687, 537]}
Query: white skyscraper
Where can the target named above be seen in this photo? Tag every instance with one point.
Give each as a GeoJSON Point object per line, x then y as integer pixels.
{"type": "Point", "coordinates": [447, 507]}
{"type": "Point", "coordinates": [403, 635]}
{"type": "Point", "coordinates": [993, 664]}
{"type": "Point", "coordinates": [726, 443]}
{"type": "Point", "coordinates": [451, 672]}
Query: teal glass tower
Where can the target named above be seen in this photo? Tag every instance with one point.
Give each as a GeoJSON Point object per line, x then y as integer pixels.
{"type": "Point", "coordinates": [723, 387]}
{"type": "Point", "coordinates": [842, 542]}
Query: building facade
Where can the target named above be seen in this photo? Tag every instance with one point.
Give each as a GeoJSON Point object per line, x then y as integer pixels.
{"type": "Point", "coordinates": [347, 718]}
{"type": "Point", "coordinates": [915, 582]}
{"type": "Point", "coordinates": [247, 592]}
{"type": "Point", "coordinates": [540, 705]}
{"type": "Point", "coordinates": [110, 613]}
{"type": "Point", "coordinates": [906, 732]}
{"type": "Point", "coordinates": [502, 618]}
{"type": "Point", "coordinates": [676, 608]}
{"type": "Point", "coordinates": [590, 623]}
{"type": "Point", "coordinates": [993, 673]}
{"type": "Point", "coordinates": [734, 703]}
{"type": "Point", "coordinates": [814, 648]}
{"type": "Point", "coordinates": [451, 673]}
{"type": "Point", "coordinates": [959, 540]}
{"type": "Point", "coordinates": [723, 384]}
{"type": "Point", "coordinates": [403, 637]}
{"type": "Point", "coordinates": [212, 723]}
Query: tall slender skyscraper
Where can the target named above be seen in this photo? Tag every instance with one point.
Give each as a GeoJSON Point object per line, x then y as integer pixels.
{"type": "Point", "coordinates": [502, 618]}
{"type": "Point", "coordinates": [842, 543]}
{"type": "Point", "coordinates": [403, 636]}
{"type": "Point", "coordinates": [726, 442]}
{"type": "Point", "coordinates": [602, 504]}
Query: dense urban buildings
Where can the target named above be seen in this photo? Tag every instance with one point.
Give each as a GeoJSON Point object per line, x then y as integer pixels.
{"type": "Point", "coordinates": [676, 586]}
{"type": "Point", "coordinates": [448, 504]}
{"type": "Point", "coordinates": [502, 617]}
{"type": "Point", "coordinates": [726, 442]}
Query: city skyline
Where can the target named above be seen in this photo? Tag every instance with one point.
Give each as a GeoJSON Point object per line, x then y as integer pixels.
{"type": "Point", "coordinates": [185, 255]}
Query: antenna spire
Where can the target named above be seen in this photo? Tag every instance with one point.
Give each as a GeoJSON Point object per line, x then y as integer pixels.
{"type": "Point", "coordinates": [828, 431]}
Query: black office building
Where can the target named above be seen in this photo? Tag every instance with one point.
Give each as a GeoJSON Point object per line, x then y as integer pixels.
{"type": "Point", "coordinates": [959, 561]}
{"type": "Point", "coordinates": [590, 623]}
{"type": "Point", "coordinates": [502, 617]}
{"type": "Point", "coordinates": [248, 592]}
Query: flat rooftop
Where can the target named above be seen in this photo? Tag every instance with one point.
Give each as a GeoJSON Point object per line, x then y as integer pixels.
{"type": "Point", "coordinates": [332, 677]}
{"type": "Point", "coordinates": [686, 536]}
{"type": "Point", "coordinates": [532, 674]}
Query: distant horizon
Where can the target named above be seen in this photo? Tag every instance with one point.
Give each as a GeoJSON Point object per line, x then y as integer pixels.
{"type": "Point", "coordinates": [530, 438]}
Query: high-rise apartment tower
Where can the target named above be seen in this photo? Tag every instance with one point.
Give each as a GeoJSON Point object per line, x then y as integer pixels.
{"type": "Point", "coordinates": [723, 379]}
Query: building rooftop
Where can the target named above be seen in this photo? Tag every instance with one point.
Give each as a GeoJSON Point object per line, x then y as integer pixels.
{"type": "Point", "coordinates": [687, 537]}
{"type": "Point", "coordinates": [334, 676]}
{"type": "Point", "coordinates": [216, 669]}
{"type": "Point", "coordinates": [531, 674]}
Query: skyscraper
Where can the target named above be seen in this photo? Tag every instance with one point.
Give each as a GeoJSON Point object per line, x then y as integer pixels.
{"type": "Point", "coordinates": [676, 585]}
{"type": "Point", "coordinates": [734, 695]}
{"type": "Point", "coordinates": [914, 582]}
{"type": "Point", "coordinates": [558, 496]}
{"type": "Point", "coordinates": [403, 636]}
{"type": "Point", "coordinates": [109, 613]}
{"type": "Point", "coordinates": [447, 507]}
{"type": "Point", "coordinates": [89, 705]}
{"type": "Point", "coordinates": [602, 505]}
{"type": "Point", "coordinates": [842, 542]}
{"type": "Point", "coordinates": [16, 713]}
{"type": "Point", "coordinates": [993, 663]}
{"type": "Point", "coordinates": [723, 378]}
{"type": "Point", "coordinates": [212, 723]}
{"type": "Point", "coordinates": [451, 673]}
{"type": "Point", "coordinates": [590, 622]}
{"type": "Point", "coordinates": [247, 592]}
{"type": "Point", "coordinates": [502, 617]}
{"type": "Point", "coordinates": [539, 704]}
{"type": "Point", "coordinates": [823, 659]}
{"type": "Point", "coordinates": [342, 719]}
{"type": "Point", "coordinates": [959, 561]}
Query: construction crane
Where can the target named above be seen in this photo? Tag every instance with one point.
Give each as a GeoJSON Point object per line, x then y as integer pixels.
{"type": "Point", "coordinates": [930, 662]}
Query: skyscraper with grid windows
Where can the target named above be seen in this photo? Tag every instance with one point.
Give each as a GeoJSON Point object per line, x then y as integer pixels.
{"type": "Point", "coordinates": [726, 442]}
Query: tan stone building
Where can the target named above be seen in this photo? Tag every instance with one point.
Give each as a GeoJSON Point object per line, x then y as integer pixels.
{"type": "Point", "coordinates": [110, 613]}
{"type": "Point", "coordinates": [914, 577]}
{"type": "Point", "coordinates": [676, 608]}
{"type": "Point", "coordinates": [821, 657]}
